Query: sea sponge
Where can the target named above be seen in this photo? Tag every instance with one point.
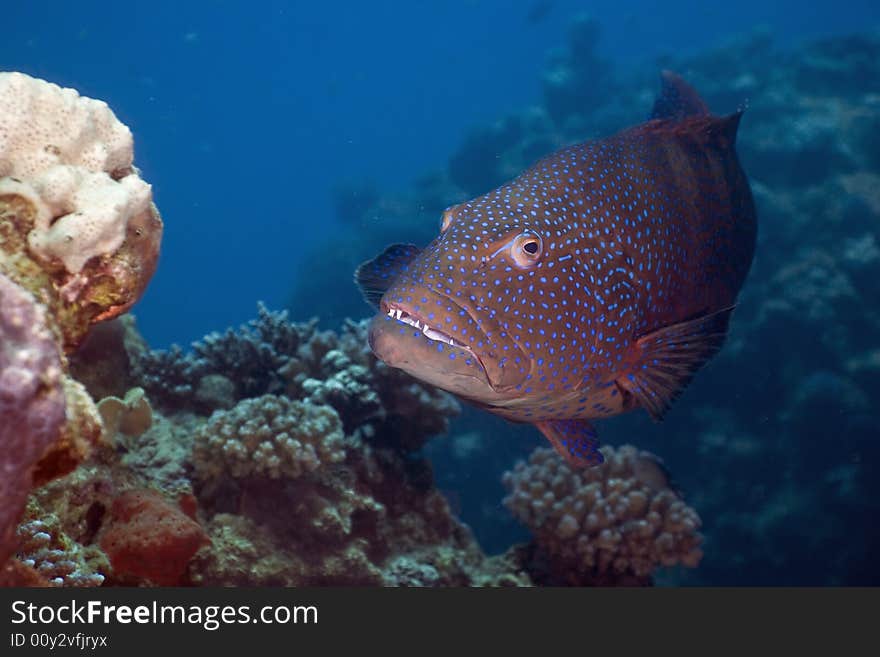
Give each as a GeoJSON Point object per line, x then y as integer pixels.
{"type": "Point", "coordinates": [611, 524]}
{"type": "Point", "coordinates": [149, 538]}
{"type": "Point", "coordinates": [131, 415]}
{"type": "Point", "coordinates": [268, 436]}
{"type": "Point", "coordinates": [80, 228]}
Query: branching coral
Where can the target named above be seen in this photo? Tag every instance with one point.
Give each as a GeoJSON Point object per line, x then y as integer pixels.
{"type": "Point", "coordinates": [62, 562]}
{"type": "Point", "coordinates": [250, 358]}
{"type": "Point", "coordinates": [384, 403]}
{"type": "Point", "coordinates": [612, 524]}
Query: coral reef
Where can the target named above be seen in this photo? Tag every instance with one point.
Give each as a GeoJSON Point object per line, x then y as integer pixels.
{"type": "Point", "coordinates": [614, 524]}
{"type": "Point", "coordinates": [250, 361]}
{"type": "Point", "coordinates": [79, 240]}
{"type": "Point", "coordinates": [333, 448]}
{"type": "Point", "coordinates": [372, 519]}
{"type": "Point", "coordinates": [280, 453]}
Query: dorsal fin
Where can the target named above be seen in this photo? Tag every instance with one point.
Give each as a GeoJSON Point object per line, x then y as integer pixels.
{"type": "Point", "coordinates": [726, 127]}
{"type": "Point", "coordinates": [677, 99]}
{"type": "Point", "coordinates": [375, 276]}
{"type": "Point", "coordinates": [666, 359]}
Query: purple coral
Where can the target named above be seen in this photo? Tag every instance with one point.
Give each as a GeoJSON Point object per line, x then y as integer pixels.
{"type": "Point", "coordinates": [31, 401]}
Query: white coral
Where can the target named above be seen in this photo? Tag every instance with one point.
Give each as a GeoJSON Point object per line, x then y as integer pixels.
{"type": "Point", "coordinates": [73, 158]}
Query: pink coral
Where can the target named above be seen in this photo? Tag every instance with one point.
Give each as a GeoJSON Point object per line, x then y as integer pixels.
{"type": "Point", "coordinates": [32, 406]}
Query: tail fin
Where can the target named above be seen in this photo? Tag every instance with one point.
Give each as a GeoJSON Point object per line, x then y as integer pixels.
{"type": "Point", "coordinates": [677, 99]}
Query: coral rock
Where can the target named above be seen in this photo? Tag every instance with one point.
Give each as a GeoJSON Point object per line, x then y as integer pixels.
{"type": "Point", "coordinates": [82, 431]}
{"type": "Point", "coordinates": [80, 227]}
{"type": "Point", "coordinates": [32, 403]}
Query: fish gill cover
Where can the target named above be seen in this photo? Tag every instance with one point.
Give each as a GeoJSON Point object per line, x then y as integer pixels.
{"type": "Point", "coordinates": [141, 466]}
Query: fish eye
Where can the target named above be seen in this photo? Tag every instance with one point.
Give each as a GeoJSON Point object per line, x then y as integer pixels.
{"type": "Point", "coordinates": [526, 249]}
{"type": "Point", "coordinates": [446, 219]}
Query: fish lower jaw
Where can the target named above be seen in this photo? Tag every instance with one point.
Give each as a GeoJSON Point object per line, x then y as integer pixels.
{"type": "Point", "coordinates": [430, 332]}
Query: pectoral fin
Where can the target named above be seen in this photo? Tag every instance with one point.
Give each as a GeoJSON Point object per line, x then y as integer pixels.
{"type": "Point", "coordinates": [375, 276]}
{"type": "Point", "coordinates": [575, 440]}
{"type": "Point", "coordinates": [665, 361]}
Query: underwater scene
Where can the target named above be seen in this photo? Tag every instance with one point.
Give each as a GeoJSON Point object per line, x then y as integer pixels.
{"type": "Point", "coordinates": [467, 293]}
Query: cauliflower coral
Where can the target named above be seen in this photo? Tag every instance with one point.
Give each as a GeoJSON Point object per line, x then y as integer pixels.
{"type": "Point", "coordinates": [613, 524]}
{"type": "Point", "coordinates": [268, 436]}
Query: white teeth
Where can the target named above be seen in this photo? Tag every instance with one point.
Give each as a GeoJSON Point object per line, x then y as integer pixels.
{"type": "Point", "coordinates": [427, 331]}
{"type": "Point", "coordinates": [436, 335]}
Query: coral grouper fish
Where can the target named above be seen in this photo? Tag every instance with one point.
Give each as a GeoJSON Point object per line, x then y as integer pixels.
{"type": "Point", "coordinates": [599, 280]}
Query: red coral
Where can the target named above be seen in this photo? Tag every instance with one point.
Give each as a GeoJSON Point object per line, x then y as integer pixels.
{"type": "Point", "coordinates": [150, 539]}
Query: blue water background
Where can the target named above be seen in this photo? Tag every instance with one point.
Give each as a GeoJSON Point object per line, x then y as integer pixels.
{"type": "Point", "coordinates": [246, 115]}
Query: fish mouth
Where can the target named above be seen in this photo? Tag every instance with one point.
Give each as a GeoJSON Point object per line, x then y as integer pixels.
{"type": "Point", "coordinates": [418, 321]}
{"type": "Point", "coordinates": [414, 320]}
{"type": "Point", "coordinates": [488, 362]}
